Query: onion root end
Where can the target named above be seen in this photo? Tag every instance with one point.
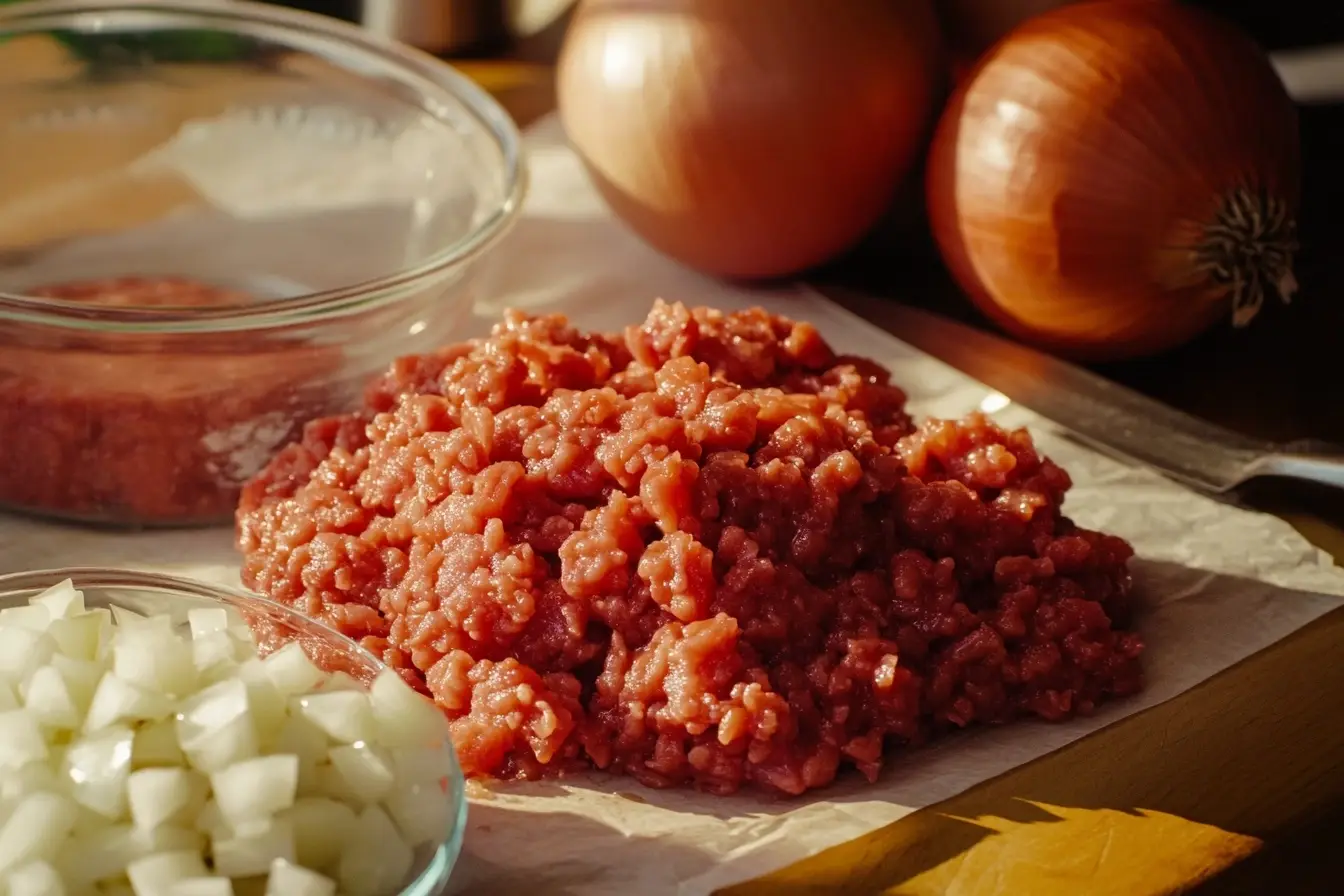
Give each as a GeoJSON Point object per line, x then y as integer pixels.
{"type": "Point", "coordinates": [1248, 249]}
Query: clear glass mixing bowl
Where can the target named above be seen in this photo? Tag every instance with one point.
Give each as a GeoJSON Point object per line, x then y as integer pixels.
{"type": "Point", "coordinates": [274, 625]}
{"type": "Point", "coordinates": [219, 220]}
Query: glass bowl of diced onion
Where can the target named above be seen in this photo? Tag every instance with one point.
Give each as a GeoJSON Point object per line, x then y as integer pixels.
{"type": "Point", "coordinates": [164, 736]}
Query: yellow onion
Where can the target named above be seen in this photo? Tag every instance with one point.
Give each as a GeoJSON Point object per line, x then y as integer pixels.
{"type": "Point", "coordinates": [749, 139]}
{"type": "Point", "coordinates": [1114, 177]}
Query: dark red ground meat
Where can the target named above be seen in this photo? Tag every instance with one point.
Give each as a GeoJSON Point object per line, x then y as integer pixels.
{"type": "Point", "coordinates": [706, 551]}
{"type": "Point", "coordinates": [146, 430]}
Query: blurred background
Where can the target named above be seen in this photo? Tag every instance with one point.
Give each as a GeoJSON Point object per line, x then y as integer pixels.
{"type": "Point", "coordinates": [486, 27]}
{"type": "Point", "coordinates": [459, 28]}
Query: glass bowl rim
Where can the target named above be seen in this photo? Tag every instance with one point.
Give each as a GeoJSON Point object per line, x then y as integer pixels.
{"type": "Point", "coordinates": [440, 865]}
{"type": "Point", "coordinates": [439, 84]}
{"type": "Point", "coordinates": [180, 586]}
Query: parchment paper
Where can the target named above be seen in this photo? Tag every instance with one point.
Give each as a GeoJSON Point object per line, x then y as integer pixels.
{"type": "Point", "coordinates": [1218, 584]}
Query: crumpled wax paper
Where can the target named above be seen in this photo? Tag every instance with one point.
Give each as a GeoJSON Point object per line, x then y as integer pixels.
{"type": "Point", "coordinates": [1218, 584]}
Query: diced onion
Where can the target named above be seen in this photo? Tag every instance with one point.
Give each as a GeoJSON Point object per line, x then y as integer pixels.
{"type": "Point", "coordinates": [292, 880]}
{"type": "Point", "coordinates": [36, 879]}
{"type": "Point", "coordinates": [146, 758]}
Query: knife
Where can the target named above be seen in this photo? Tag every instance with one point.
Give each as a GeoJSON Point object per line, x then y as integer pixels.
{"type": "Point", "coordinates": [1104, 415]}
{"type": "Point", "coordinates": [1312, 75]}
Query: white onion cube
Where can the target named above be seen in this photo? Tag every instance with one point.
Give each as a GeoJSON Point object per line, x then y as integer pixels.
{"type": "Point", "coordinates": [344, 716]}
{"type": "Point", "coordinates": [154, 625]}
{"type": "Point", "coordinates": [300, 737]}
{"type": "Point", "coordinates": [204, 621]}
{"type": "Point", "coordinates": [210, 819]}
{"type": "Point", "coordinates": [22, 651]}
{"type": "Point", "coordinates": [321, 827]}
{"type": "Point", "coordinates": [403, 717]}
{"type": "Point", "coordinates": [35, 830]}
{"type": "Point", "coordinates": [79, 637]}
{"type": "Point", "coordinates": [375, 860]}
{"type": "Point", "coordinates": [104, 854]}
{"type": "Point", "coordinates": [215, 655]}
{"type": "Point", "coordinates": [292, 672]}
{"type": "Point", "coordinates": [81, 677]}
{"type": "Point", "coordinates": [153, 874]}
{"type": "Point", "coordinates": [98, 766]}
{"type": "Point", "coordinates": [30, 616]}
{"type": "Point", "coordinates": [210, 752]}
{"type": "Point", "coordinates": [214, 726]}
{"type": "Point", "coordinates": [251, 853]}
{"type": "Point", "coordinates": [158, 796]}
{"type": "Point", "coordinates": [158, 661]}
{"type": "Point", "coordinates": [117, 700]}
{"type": "Point", "coordinates": [156, 745]}
{"type": "Point", "coordinates": [16, 783]}
{"type": "Point", "coordinates": [8, 699]}
{"type": "Point", "coordinates": [61, 600]}
{"type": "Point", "coordinates": [48, 699]}
{"type": "Point", "coordinates": [267, 704]}
{"type": "Point", "coordinates": [327, 782]}
{"type": "Point", "coordinates": [287, 879]}
{"type": "Point", "coordinates": [88, 821]}
{"type": "Point", "coordinates": [35, 879]}
{"type": "Point", "coordinates": [123, 617]}
{"type": "Point", "coordinates": [366, 772]}
{"type": "Point", "coordinates": [255, 789]}
{"type": "Point", "coordinates": [424, 814]}
{"type": "Point", "coordinates": [21, 739]}
{"type": "Point", "coordinates": [422, 766]}
{"type": "Point", "coordinates": [213, 708]}
{"type": "Point", "coordinates": [342, 681]}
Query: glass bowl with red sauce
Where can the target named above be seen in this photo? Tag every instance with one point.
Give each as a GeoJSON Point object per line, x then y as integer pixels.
{"type": "Point", "coordinates": [217, 222]}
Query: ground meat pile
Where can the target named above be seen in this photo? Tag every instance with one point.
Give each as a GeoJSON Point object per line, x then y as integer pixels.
{"type": "Point", "coordinates": [706, 551]}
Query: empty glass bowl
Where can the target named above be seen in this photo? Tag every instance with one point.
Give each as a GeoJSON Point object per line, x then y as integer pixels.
{"type": "Point", "coordinates": [273, 624]}
{"type": "Point", "coordinates": [219, 221]}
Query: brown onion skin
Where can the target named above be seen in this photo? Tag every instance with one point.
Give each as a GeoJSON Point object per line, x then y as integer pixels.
{"type": "Point", "coordinates": [1077, 167]}
{"type": "Point", "coordinates": [764, 138]}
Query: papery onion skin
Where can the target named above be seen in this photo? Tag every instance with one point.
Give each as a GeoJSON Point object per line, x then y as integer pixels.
{"type": "Point", "coordinates": [749, 139]}
{"type": "Point", "coordinates": [1106, 173]}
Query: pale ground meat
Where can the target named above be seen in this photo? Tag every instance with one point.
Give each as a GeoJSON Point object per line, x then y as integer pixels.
{"type": "Point", "coordinates": [143, 429]}
{"type": "Point", "coordinates": [706, 551]}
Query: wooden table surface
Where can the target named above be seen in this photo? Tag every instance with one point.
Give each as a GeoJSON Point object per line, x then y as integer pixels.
{"type": "Point", "coordinates": [1168, 798]}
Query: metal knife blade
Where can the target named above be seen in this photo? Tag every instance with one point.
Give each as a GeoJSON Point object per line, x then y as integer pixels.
{"type": "Point", "coordinates": [1104, 415]}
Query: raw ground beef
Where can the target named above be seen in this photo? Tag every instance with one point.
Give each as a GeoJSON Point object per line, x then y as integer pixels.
{"type": "Point", "coordinates": [705, 551]}
{"type": "Point", "coordinates": [143, 429]}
